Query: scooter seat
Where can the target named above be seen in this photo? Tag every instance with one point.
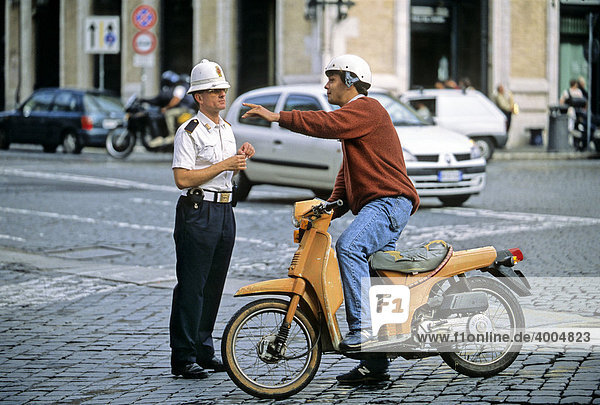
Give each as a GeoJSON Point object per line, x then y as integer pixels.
{"type": "Point", "coordinates": [418, 260]}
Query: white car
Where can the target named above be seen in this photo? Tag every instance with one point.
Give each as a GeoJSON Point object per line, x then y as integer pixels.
{"type": "Point", "coordinates": [468, 112]}
{"type": "Point", "coordinates": [441, 163]}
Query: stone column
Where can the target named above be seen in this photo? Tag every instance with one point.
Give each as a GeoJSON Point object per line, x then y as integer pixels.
{"type": "Point", "coordinates": [402, 26]}
{"type": "Point", "coordinates": [26, 50]}
{"type": "Point", "coordinates": [76, 67]}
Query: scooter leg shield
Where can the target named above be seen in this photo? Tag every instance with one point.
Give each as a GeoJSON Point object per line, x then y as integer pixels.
{"type": "Point", "coordinates": [281, 286]}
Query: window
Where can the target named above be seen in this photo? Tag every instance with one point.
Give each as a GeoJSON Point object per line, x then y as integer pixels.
{"type": "Point", "coordinates": [65, 102]}
{"type": "Point", "coordinates": [38, 102]}
{"type": "Point", "coordinates": [99, 103]}
{"type": "Point", "coordinates": [268, 101]}
{"type": "Point", "coordinates": [301, 103]}
{"type": "Point", "coordinates": [428, 103]}
{"type": "Point", "coordinates": [399, 113]}
{"type": "Point", "coordinates": [462, 107]}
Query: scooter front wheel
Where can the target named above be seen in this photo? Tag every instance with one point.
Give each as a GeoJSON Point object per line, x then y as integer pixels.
{"type": "Point", "coordinates": [120, 143]}
{"type": "Point", "coordinates": [253, 362]}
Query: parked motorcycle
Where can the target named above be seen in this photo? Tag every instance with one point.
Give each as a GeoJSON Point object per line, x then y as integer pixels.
{"type": "Point", "coordinates": [143, 121]}
{"type": "Point", "coordinates": [272, 347]}
{"type": "Point", "coordinates": [577, 124]}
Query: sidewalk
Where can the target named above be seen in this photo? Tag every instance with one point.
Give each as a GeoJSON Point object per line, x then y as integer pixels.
{"type": "Point", "coordinates": [81, 332]}
{"type": "Point", "coordinates": [529, 152]}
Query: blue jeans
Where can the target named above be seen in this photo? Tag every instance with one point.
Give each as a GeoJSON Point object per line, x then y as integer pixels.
{"type": "Point", "coordinates": [376, 227]}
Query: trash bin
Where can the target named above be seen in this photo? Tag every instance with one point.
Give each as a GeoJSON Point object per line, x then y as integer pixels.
{"type": "Point", "coordinates": [558, 129]}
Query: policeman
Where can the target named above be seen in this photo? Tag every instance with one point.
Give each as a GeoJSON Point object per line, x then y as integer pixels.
{"type": "Point", "coordinates": [204, 161]}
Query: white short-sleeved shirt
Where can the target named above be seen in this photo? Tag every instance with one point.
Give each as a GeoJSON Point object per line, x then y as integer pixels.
{"type": "Point", "coordinates": [205, 145]}
{"type": "Point", "coordinates": [179, 92]}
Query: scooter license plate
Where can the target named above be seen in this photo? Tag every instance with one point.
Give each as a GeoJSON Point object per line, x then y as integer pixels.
{"type": "Point", "coordinates": [449, 176]}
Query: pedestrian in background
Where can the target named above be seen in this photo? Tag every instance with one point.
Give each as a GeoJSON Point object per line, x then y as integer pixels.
{"type": "Point", "coordinates": [372, 182]}
{"type": "Point", "coordinates": [505, 102]}
{"type": "Point", "coordinates": [572, 93]}
{"type": "Point", "coordinates": [204, 161]}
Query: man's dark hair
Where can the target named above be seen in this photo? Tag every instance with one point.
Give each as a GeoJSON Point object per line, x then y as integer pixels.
{"type": "Point", "coordinates": [360, 86]}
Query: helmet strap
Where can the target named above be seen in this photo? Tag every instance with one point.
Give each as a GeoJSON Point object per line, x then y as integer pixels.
{"type": "Point", "coordinates": [350, 79]}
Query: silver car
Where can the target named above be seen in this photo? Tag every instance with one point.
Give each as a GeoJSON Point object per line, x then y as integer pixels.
{"type": "Point", "coordinates": [441, 163]}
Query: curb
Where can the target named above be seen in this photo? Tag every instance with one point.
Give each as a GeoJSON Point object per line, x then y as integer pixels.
{"type": "Point", "coordinates": [542, 154]}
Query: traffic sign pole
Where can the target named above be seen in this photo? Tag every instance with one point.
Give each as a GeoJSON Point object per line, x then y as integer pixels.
{"type": "Point", "coordinates": [144, 18]}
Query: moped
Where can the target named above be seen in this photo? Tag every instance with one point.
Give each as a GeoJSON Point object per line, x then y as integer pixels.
{"type": "Point", "coordinates": [272, 347]}
{"type": "Point", "coordinates": [144, 121]}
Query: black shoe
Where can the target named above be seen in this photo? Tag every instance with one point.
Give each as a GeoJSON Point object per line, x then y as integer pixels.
{"type": "Point", "coordinates": [362, 375]}
{"type": "Point", "coordinates": [214, 364]}
{"type": "Point", "coordinates": [355, 340]}
{"type": "Point", "coordinates": [191, 370]}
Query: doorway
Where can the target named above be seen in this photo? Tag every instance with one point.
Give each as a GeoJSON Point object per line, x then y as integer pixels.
{"type": "Point", "coordinates": [256, 44]}
{"type": "Point", "coordinates": [46, 32]}
{"type": "Point", "coordinates": [177, 33]}
{"type": "Point", "coordinates": [449, 40]}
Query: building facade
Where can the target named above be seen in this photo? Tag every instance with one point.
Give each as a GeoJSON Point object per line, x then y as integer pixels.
{"type": "Point", "coordinates": [532, 47]}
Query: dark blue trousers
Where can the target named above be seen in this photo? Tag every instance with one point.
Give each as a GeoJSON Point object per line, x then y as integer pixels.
{"type": "Point", "coordinates": [204, 239]}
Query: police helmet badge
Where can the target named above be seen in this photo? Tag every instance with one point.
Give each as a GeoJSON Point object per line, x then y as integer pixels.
{"type": "Point", "coordinates": [218, 69]}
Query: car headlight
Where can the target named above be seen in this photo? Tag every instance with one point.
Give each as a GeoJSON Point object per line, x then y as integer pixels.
{"type": "Point", "coordinates": [408, 157]}
{"type": "Point", "coordinates": [475, 151]}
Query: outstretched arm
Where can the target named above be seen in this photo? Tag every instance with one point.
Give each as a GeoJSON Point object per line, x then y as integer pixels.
{"type": "Point", "coordinates": [261, 112]}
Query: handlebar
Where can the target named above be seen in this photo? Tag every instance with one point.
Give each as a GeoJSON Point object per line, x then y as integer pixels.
{"type": "Point", "coordinates": [326, 206]}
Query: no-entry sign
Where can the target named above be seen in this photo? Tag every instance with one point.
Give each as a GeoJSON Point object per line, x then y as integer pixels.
{"type": "Point", "coordinates": [144, 42]}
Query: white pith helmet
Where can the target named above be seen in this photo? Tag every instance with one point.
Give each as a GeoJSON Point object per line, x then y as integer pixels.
{"type": "Point", "coordinates": [353, 64]}
{"type": "Point", "coordinates": [207, 75]}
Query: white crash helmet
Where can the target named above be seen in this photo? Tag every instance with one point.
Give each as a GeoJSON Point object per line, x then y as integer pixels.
{"type": "Point", "coordinates": [353, 64]}
{"type": "Point", "coordinates": [207, 75]}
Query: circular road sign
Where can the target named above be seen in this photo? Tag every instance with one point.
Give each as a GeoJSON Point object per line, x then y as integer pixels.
{"type": "Point", "coordinates": [144, 17]}
{"type": "Point", "coordinates": [144, 42]}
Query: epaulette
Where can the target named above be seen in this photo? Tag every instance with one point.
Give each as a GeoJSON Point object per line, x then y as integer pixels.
{"type": "Point", "coordinates": [189, 128]}
{"type": "Point", "coordinates": [227, 122]}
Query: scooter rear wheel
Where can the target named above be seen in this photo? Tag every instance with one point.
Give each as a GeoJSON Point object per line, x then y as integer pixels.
{"type": "Point", "coordinates": [484, 359]}
{"type": "Point", "coordinates": [247, 350]}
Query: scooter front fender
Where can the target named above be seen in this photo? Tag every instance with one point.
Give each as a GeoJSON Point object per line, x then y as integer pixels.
{"type": "Point", "coordinates": [282, 286]}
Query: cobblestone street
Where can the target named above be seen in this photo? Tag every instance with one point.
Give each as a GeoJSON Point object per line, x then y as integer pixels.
{"type": "Point", "coordinates": [78, 339]}
{"type": "Point", "coordinates": [87, 270]}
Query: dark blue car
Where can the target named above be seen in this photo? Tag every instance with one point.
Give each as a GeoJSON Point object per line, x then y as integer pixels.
{"type": "Point", "coordinates": [59, 116]}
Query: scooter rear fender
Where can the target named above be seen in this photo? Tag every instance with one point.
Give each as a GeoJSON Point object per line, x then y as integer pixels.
{"type": "Point", "coordinates": [282, 286]}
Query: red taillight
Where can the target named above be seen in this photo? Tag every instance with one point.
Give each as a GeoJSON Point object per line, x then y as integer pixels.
{"type": "Point", "coordinates": [86, 123]}
{"type": "Point", "coordinates": [517, 254]}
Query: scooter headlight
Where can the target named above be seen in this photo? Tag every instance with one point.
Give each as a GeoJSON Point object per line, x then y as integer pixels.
{"type": "Point", "coordinates": [295, 221]}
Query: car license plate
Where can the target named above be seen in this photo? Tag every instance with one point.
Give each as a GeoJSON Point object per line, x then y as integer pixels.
{"type": "Point", "coordinates": [448, 176]}
{"type": "Point", "coordinates": [110, 124]}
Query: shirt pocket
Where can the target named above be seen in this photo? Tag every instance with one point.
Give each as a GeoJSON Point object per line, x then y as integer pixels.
{"type": "Point", "coordinates": [208, 152]}
{"type": "Point", "coordinates": [229, 148]}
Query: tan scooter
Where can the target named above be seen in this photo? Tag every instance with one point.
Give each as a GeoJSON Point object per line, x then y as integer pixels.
{"type": "Point", "coordinates": [422, 301]}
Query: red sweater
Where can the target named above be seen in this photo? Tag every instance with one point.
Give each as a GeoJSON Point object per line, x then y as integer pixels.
{"type": "Point", "coordinates": [373, 164]}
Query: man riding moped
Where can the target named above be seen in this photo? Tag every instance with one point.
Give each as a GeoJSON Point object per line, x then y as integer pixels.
{"type": "Point", "coordinates": [373, 184]}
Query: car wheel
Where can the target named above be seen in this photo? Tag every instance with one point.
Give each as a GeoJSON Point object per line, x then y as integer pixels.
{"type": "Point", "coordinates": [71, 143]}
{"type": "Point", "coordinates": [486, 146]}
{"type": "Point", "coordinates": [243, 186]}
{"type": "Point", "coordinates": [4, 144]}
{"type": "Point", "coordinates": [49, 148]}
{"type": "Point", "coordinates": [454, 200]}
